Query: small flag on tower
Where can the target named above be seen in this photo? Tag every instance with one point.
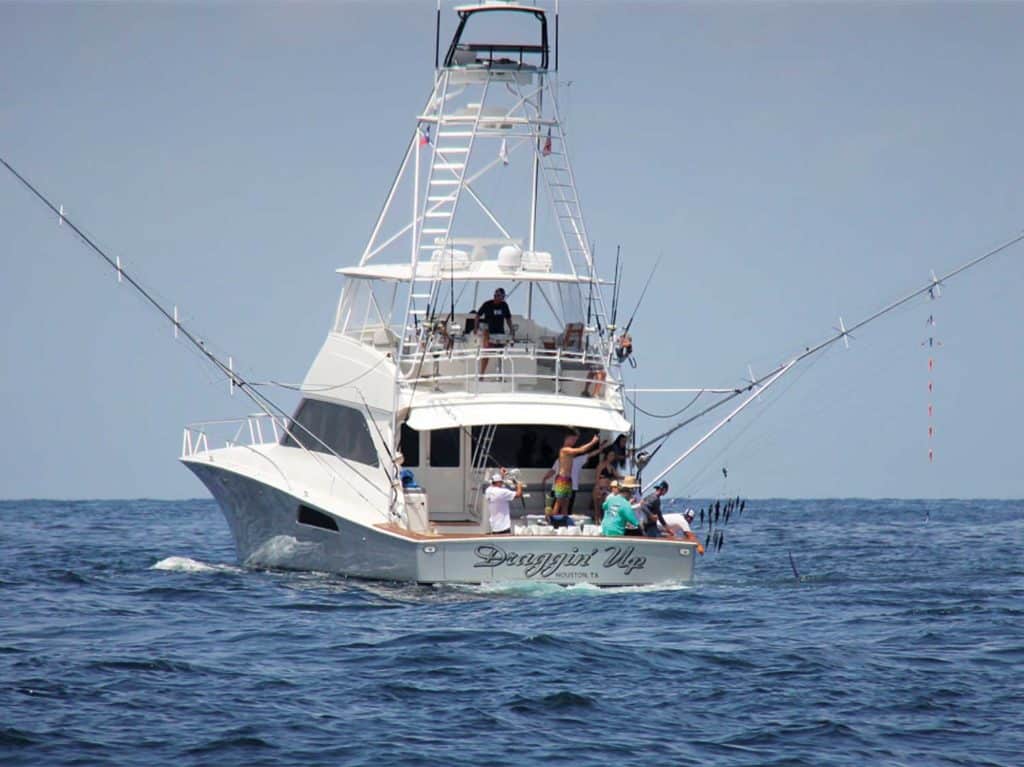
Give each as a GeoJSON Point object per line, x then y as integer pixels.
{"type": "Point", "coordinates": [547, 145]}
{"type": "Point", "coordinates": [425, 136]}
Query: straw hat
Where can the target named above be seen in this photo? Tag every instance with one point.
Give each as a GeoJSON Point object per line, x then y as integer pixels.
{"type": "Point", "coordinates": [629, 481]}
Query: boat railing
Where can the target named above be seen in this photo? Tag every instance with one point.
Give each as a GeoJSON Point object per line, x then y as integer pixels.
{"type": "Point", "coordinates": [251, 430]}
{"type": "Point", "coordinates": [510, 369]}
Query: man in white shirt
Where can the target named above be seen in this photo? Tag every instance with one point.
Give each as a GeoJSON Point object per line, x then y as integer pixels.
{"type": "Point", "coordinates": [678, 525]}
{"type": "Point", "coordinates": [498, 497]}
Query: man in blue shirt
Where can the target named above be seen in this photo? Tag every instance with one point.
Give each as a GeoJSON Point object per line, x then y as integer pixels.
{"type": "Point", "coordinates": [619, 517]}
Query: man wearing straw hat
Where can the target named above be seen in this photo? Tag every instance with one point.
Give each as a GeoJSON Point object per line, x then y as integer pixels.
{"type": "Point", "coordinates": [619, 517]}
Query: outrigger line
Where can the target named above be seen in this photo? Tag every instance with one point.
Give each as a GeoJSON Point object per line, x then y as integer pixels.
{"type": "Point", "coordinates": [122, 275]}
{"type": "Point", "coordinates": [931, 343]}
{"type": "Point", "coordinates": [761, 384]}
{"type": "Point", "coordinates": [264, 403]}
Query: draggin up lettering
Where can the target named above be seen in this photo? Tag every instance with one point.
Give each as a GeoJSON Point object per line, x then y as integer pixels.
{"type": "Point", "coordinates": [549, 564]}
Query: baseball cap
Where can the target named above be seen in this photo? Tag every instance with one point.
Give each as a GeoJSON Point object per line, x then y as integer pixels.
{"type": "Point", "coordinates": [496, 477]}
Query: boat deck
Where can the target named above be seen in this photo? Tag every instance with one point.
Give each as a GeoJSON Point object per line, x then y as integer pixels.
{"type": "Point", "coordinates": [399, 530]}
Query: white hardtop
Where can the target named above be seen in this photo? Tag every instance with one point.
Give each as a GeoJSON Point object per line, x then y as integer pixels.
{"type": "Point", "coordinates": [467, 409]}
{"type": "Point", "coordinates": [474, 271]}
{"type": "Point", "coordinates": [496, 5]}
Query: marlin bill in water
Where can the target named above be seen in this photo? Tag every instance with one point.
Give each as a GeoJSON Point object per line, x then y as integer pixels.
{"type": "Point", "coordinates": [792, 563]}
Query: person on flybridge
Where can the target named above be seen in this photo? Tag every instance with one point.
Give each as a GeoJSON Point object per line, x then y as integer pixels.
{"type": "Point", "coordinates": [498, 497]}
{"type": "Point", "coordinates": [491, 318]}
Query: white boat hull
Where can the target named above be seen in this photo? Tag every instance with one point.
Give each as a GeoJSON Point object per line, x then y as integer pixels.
{"type": "Point", "coordinates": [264, 522]}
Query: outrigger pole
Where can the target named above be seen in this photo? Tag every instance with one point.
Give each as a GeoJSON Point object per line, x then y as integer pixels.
{"type": "Point", "coordinates": [264, 403]}
{"type": "Point", "coordinates": [759, 385]}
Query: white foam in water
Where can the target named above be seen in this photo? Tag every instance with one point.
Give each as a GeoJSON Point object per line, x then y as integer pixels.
{"type": "Point", "coordinates": [186, 565]}
{"type": "Point", "coordinates": [280, 551]}
{"type": "Point", "coordinates": [539, 588]}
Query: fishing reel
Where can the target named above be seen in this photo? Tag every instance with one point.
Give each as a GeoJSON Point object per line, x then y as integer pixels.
{"type": "Point", "coordinates": [511, 479]}
{"type": "Point", "coordinates": [641, 459]}
{"type": "Point", "coordinates": [624, 349]}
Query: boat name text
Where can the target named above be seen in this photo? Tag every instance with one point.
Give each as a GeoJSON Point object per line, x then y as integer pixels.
{"type": "Point", "coordinates": [548, 564]}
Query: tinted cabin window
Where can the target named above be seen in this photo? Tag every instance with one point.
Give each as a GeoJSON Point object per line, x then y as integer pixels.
{"type": "Point", "coordinates": [341, 429]}
{"type": "Point", "coordinates": [314, 518]}
{"type": "Point", "coordinates": [525, 447]}
{"type": "Point", "coordinates": [410, 446]}
{"type": "Point", "coordinates": [444, 447]}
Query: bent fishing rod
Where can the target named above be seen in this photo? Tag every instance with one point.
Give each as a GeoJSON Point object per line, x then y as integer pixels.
{"type": "Point", "coordinates": [264, 403]}
{"type": "Point", "coordinates": [762, 383]}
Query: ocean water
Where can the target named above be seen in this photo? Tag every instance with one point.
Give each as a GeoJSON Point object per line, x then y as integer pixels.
{"type": "Point", "coordinates": [130, 636]}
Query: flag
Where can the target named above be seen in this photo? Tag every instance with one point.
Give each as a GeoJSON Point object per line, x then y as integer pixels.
{"type": "Point", "coordinates": [547, 145]}
{"type": "Point", "coordinates": [503, 153]}
{"type": "Point", "coordinates": [425, 136]}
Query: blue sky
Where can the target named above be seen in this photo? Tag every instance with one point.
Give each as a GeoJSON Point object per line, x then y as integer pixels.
{"type": "Point", "coordinates": [793, 162]}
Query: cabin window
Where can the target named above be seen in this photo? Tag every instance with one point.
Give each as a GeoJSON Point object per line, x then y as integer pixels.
{"type": "Point", "coordinates": [410, 446]}
{"type": "Point", "coordinates": [314, 518]}
{"type": "Point", "coordinates": [334, 428]}
{"type": "Point", "coordinates": [526, 447]}
{"type": "Point", "coordinates": [444, 448]}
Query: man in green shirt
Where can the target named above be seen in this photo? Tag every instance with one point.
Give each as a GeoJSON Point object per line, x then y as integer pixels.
{"type": "Point", "coordinates": [619, 517]}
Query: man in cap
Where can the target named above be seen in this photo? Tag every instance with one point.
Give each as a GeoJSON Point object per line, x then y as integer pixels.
{"type": "Point", "coordinates": [679, 525]}
{"type": "Point", "coordinates": [650, 508]}
{"type": "Point", "coordinates": [498, 497]}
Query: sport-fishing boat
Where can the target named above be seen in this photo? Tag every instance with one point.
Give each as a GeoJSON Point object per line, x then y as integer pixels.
{"type": "Point", "coordinates": [414, 401]}
{"type": "Point", "coordinates": [423, 389]}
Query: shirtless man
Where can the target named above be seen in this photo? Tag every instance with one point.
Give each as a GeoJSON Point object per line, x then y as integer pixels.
{"type": "Point", "coordinates": [563, 480]}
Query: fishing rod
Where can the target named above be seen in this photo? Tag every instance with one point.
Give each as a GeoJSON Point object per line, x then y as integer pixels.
{"type": "Point", "coordinates": [593, 271]}
{"type": "Point", "coordinates": [615, 289]}
{"type": "Point", "coordinates": [763, 382]}
{"type": "Point", "coordinates": [264, 403]}
{"type": "Point", "coordinates": [643, 293]}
